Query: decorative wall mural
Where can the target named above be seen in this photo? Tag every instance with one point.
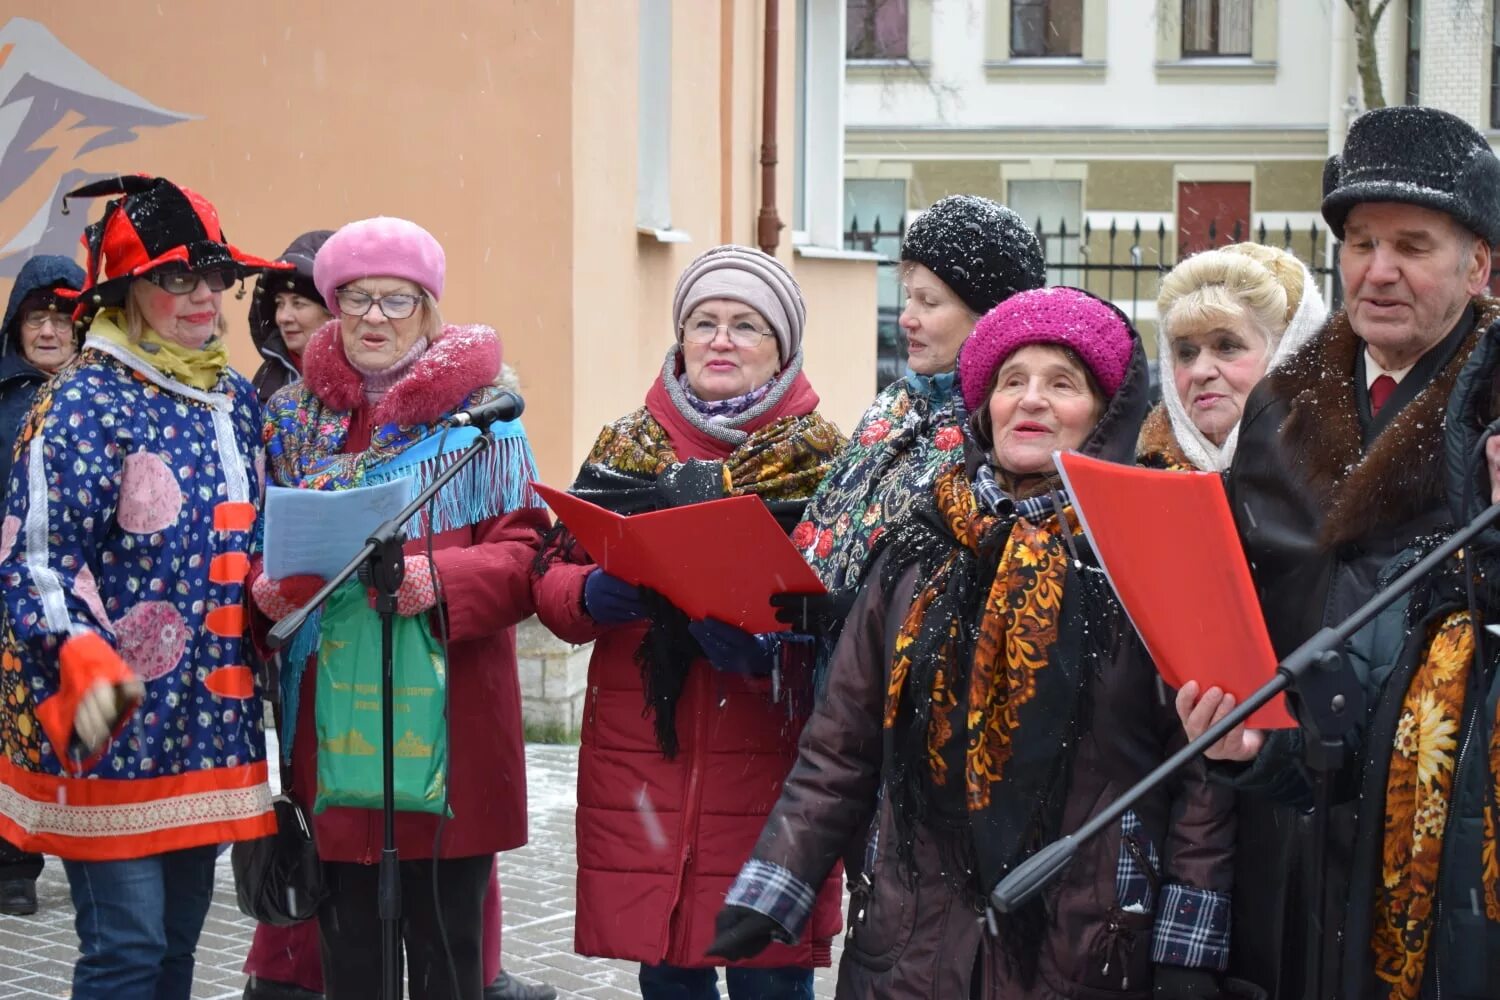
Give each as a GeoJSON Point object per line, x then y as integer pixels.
{"type": "Point", "coordinates": [57, 113]}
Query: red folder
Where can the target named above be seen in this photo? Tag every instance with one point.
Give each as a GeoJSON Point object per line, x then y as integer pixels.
{"type": "Point", "coordinates": [720, 559]}
{"type": "Point", "coordinates": [1168, 544]}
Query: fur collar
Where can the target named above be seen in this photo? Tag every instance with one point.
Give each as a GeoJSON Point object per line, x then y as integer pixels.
{"type": "Point", "coordinates": [1157, 446]}
{"type": "Point", "coordinates": [1402, 475]}
{"type": "Point", "coordinates": [461, 360]}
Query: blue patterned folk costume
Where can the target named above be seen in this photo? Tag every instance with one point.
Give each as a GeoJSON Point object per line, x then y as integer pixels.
{"type": "Point", "coordinates": [130, 514]}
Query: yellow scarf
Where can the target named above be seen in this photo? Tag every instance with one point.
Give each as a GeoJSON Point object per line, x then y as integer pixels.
{"type": "Point", "coordinates": [199, 368]}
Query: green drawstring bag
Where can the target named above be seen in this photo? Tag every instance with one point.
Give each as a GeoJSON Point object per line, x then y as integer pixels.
{"type": "Point", "coordinates": [350, 772]}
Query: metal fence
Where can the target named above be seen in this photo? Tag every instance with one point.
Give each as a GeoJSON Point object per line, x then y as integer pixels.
{"type": "Point", "coordinates": [1125, 264]}
{"type": "Point", "coordinates": [1121, 263]}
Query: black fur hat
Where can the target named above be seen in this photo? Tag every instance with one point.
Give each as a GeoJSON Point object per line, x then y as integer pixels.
{"type": "Point", "coordinates": [1420, 156]}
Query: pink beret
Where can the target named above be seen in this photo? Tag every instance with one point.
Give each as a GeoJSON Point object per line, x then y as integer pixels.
{"type": "Point", "coordinates": [381, 247]}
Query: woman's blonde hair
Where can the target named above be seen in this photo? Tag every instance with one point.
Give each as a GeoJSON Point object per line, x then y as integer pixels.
{"type": "Point", "coordinates": [432, 319]}
{"type": "Point", "coordinates": [1219, 287]}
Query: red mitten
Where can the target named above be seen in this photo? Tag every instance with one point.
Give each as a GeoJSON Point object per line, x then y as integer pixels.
{"type": "Point", "coordinates": [279, 598]}
{"type": "Point", "coordinates": [86, 660]}
{"type": "Point", "coordinates": [416, 593]}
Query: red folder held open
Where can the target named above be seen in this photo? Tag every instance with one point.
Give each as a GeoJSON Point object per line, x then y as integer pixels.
{"type": "Point", "coordinates": [1168, 544]}
{"type": "Point", "coordinates": [720, 559]}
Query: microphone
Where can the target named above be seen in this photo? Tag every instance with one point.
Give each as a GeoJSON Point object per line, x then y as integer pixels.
{"type": "Point", "coordinates": [506, 406]}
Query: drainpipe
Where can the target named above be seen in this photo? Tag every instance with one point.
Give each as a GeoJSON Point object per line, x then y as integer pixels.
{"type": "Point", "coordinates": [727, 160]}
{"type": "Point", "coordinates": [768, 225]}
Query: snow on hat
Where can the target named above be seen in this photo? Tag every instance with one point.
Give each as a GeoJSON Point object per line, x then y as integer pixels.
{"type": "Point", "coordinates": [746, 275]}
{"type": "Point", "coordinates": [1066, 317]}
{"type": "Point", "coordinates": [1419, 156]}
{"type": "Point", "coordinates": [382, 247]}
{"type": "Point", "coordinates": [154, 224]}
{"type": "Point", "coordinates": [982, 250]}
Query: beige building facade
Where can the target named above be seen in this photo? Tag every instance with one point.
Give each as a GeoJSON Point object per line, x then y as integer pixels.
{"type": "Point", "coordinates": [1179, 123]}
{"type": "Point", "coordinates": [570, 155]}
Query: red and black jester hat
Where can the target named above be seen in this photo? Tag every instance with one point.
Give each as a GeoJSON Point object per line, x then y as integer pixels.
{"type": "Point", "coordinates": [156, 223]}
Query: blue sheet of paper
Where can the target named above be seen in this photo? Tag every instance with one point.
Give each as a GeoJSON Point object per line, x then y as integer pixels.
{"type": "Point", "coordinates": [315, 532]}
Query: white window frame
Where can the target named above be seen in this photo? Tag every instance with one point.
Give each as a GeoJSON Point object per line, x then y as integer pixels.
{"type": "Point", "coordinates": [822, 115]}
{"type": "Point", "coordinates": [653, 183]}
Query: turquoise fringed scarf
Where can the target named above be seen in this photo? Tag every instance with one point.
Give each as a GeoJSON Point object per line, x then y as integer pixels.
{"type": "Point", "coordinates": [304, 442]}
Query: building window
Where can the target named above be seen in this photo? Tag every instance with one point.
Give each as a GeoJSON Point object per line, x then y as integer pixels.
{"type": "Point", "coordinates": [876, 29]}
{"type": "Point", "coordinates": [819, 166]}
{"type": "Point", "coordinates": [1046, 28]}
{"type": "Point", "coordinates": [1054, 209]}
{"type": "Point", "coordinates": [653, 194]}
{"type": "Point", "coordinates": [1215, 28]}
{"type": "Point", "coordinates": [875, 220]}
{"type": "Point", "coordinates": [1414, 52]}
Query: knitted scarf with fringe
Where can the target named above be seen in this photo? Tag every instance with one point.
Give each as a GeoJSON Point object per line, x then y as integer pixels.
{"type": "Point", "coordinates": [305, 435]}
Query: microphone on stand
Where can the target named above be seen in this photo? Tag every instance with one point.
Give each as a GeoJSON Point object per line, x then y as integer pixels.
{"type": "Point", "coordinates": [506, 406]}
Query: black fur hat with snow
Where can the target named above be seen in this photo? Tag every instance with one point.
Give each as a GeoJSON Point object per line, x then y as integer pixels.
{"type": "Point", "coordinates": [982, 250]}
{"type": "Point", "coordinates": [1419, 156]}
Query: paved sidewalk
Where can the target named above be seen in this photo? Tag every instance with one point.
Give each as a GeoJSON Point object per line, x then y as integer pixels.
{"type": "Point", "coordinates": [36, 953]}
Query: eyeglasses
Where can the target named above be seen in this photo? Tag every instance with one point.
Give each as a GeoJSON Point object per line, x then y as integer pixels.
{"type": "Point", "coordinates": [397, 305]}
{"type": "Point", "coordinates": [703, 330]}
{"type": "Point", "coordinates": [183, 282]}
{"type": "Point", "coordinates": [33, 322]}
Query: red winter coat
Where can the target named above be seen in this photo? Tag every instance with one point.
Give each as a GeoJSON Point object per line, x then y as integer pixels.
{"type": "Point", "coordinates": [660, 841]}
{"type": "Point", "coordinates": [484, 571]}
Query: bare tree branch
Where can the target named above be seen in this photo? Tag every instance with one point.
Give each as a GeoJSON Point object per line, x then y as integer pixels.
{"type": "Point", "coordinates": [1366, 23]}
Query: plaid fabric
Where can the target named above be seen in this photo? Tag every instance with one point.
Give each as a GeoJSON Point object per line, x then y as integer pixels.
{"type": "Point", "coordinates": [993, 498]}
{"type": "Point", "coordinates": [1134, 886]}
{"type": "Point", "coordinates": [772, 890]}
{"type": "Point", "coordinates": [1192, 928]}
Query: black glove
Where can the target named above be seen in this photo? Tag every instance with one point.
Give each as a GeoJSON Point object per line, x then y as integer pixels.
{"type": "Point", "coordinates": [693, 481]}
{"type": "Point", "coordinates": [741, 933]}
{"type": "Point", "coordinates": [814, 614]}
{"type": "Point", "coordinates": [1173, 982]}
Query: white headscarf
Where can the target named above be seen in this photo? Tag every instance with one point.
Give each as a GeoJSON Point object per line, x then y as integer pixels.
{"type": "Point", "coordinates": [1204, 454]}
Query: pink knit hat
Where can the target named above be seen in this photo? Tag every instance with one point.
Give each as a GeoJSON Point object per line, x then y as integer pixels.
{"type": "Point", "coordinates": [381, 247]}
{"type": "Point", "coordinates": [1068, 317]}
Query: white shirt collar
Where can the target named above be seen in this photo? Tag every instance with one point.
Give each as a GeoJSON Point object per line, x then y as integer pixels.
{"type": "Point", "coordinates": [1373, 370]}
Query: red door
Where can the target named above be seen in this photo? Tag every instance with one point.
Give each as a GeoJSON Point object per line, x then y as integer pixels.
{"type": "Point", "coordinates": [1207, 213]}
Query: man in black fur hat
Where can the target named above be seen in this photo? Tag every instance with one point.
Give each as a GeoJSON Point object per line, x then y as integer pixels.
{"type": "Point", "coordinates": [1340, 474]}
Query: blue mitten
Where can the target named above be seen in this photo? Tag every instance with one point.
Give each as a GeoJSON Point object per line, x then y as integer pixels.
{"type": "Point", "coordinates": [611, 601]}
{"type": "Point", "coordinates": [734, 650]}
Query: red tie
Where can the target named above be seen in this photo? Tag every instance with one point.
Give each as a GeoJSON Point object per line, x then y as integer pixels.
{"type": "Point", "coordinates": [1380, 391]}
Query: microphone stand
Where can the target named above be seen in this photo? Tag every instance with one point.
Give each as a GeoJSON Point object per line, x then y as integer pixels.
{"type": "Point", "coordinates": [1331, 699]}
{"type": "Point", "coordinates": [381, 564]}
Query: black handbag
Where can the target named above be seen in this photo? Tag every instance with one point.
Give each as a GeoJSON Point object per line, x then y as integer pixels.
{"type": "Point", "coordinates": [278, 879]}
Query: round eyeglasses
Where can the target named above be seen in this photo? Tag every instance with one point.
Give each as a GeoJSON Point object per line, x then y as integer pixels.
{"type": "Point", "coordinates": [397, 305]}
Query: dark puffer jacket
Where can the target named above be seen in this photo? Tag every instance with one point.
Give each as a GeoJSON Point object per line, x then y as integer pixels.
{"type": "Point", "coordinates": [279, 368]}
{"type": "Point", "coordinates": [922, 937]}
{"type": "Point", "coordinates": [19, 379]}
